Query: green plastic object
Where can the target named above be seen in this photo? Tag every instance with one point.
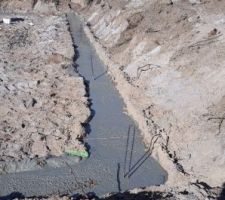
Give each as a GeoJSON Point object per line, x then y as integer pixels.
{"type": "Point", "coordinates": [74, 152]}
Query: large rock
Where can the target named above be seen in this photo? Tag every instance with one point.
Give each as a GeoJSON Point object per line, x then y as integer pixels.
{"type": "Point", "coordinates": [45, 7]}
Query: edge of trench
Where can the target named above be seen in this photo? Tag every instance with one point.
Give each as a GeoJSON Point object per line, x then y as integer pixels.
{"type": "Point", "coordinates": [60, 181]}
{"type": "Point", "coordinates": [86, 124]}
{"type": "Point", "coordinates": [108, 74]}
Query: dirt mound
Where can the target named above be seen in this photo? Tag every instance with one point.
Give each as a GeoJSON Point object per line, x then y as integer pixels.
{"type": "Point", "coordinates": [47, 7]}
{"type": "Point", "coordinates": [43, 103]}
{"type": "Point", "coordinates": [169, 53]}
{"type": "Point", "coordinates": [24, 5]}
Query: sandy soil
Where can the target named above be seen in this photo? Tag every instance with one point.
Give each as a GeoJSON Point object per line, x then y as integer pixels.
{"type": "Point", "coordinates": [171, 54]}
{"type": "Point", "coordinates": [42, 98]}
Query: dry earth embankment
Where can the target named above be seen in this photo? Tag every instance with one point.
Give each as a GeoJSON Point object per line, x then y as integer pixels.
{"type": "Point", "coordinates": [167, 58]}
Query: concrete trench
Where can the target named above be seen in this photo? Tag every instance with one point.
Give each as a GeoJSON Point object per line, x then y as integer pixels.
{"type": "Point", "coordinates": [118, 160]}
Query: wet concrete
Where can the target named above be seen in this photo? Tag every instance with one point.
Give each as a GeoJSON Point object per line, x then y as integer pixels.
{"type": "Point", "coordinates": [118, 160]}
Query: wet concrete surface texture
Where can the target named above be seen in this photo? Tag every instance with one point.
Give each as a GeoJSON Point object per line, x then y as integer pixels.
{"type": "Point", "coordinates": [114, 138]}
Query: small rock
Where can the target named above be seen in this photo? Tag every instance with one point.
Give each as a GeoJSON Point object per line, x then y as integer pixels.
{"type": "Point", "coordinates": [213, 32]}
{"type": "Point", "coordinates": [195, 2]}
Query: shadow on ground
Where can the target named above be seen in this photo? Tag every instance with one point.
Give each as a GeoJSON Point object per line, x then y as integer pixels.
{"type": "Point", "coordinates": [129, 196]}
{"type": "Point", "coordinates": [222, 194]}
{"type": "Point", "coordinates": [14, 195]}
{"type": "Point", "coordinates": [117, 196]}
{"type": "Point", "coordinates": [140, 196]}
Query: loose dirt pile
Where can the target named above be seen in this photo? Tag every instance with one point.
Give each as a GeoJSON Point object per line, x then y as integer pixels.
{"type": "Point", "coordinates": [47, 7]}
{"type": "Point", "coordinates": [167, 58]}
{"type": "Point", "coordinates": [42, 99]}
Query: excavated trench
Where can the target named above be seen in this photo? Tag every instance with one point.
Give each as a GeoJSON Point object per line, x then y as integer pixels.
{"type": "Point", "coordinates": [118, 160]}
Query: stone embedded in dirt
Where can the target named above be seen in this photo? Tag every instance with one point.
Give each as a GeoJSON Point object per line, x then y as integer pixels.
{"type": "Point", "coordinates": [195, 1]}
{"type": "Point", "coordinates": [213, 32]}
{"type": "Point", "coordinates": [81, 3]}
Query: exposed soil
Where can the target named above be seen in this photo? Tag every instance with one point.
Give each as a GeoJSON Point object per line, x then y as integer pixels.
{"type": "Point", "coordinates": [46, 7]}
{"type": "Point", "coordinates": [43, 103]}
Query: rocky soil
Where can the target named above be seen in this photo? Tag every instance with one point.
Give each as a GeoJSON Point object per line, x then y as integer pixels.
{"type": "Point", "coordinates": [42, 98]}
